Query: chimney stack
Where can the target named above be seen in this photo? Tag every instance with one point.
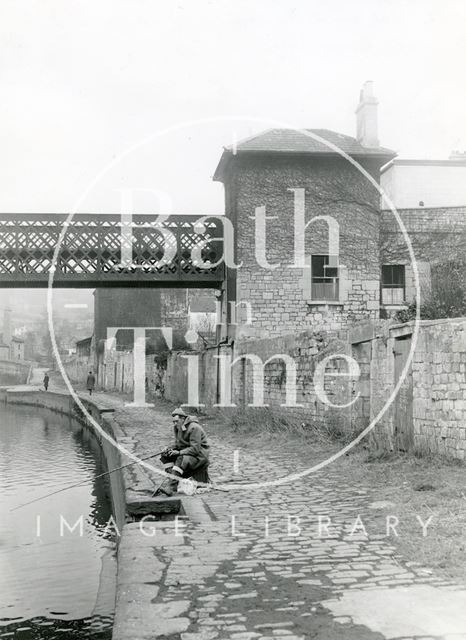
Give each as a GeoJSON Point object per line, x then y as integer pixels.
{"type": "Point", "coordinates": [366, 117]}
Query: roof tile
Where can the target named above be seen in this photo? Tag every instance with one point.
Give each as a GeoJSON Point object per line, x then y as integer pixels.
{"type": "Point", "coordinates": [305, 141]}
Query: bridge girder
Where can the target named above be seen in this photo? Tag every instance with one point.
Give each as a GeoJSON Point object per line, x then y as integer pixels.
{"type": "Point", "coordinates": [90, 253]}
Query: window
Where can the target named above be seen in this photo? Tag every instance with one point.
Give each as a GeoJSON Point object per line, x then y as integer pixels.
{"type": "Point", "coordinates": [393, 284]}
{"type": "Point", "coordinates": [324, 273]}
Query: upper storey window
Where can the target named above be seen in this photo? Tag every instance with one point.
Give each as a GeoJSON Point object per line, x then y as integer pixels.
{"type": "Point", "coordinates": [325, 279]}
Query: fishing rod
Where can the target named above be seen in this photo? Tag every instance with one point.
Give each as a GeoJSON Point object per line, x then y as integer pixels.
{"type": "Point", "coordinates": [101, 475]}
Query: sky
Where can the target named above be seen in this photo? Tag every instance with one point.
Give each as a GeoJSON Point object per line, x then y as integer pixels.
{"type": "Point", "coordinates": [85, 81]}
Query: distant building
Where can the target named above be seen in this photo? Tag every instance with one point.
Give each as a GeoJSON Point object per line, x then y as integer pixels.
{"type": "Point", "coordinates": [430, 198]}
{"type": "Point", "coordinates": [82, 362]}
{"type": "Point", "coordinates": [124, 307]}
{"type": "Point", "coordinates": [283, 175]}
{"type": "Point", "coordinates": [16, 348]}
{"type": "Point", "coordinates": [425, 183]}
{"type": "Point", "coordinates": [202, 314]}
{"type": "Point", "coordinates": [11, 346]}
{"type": "Point", "coordinates": [83, 347]}
{"type": "Point", "coordinates": [4, 351]}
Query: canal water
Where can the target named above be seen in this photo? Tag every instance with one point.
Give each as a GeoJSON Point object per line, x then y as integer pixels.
{"type": "Point", "coordinates": [54, 583]}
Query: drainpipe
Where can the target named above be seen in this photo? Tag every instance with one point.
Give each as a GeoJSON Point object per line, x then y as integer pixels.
{"type": "Point", "coordinates": [218, 346]}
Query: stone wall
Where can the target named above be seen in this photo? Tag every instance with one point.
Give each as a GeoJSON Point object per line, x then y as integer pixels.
{"type": "Point", "coordinates": [78, 367]}
{"type": "Point", "coordinates": [430, 407]}
{"type": "Point", "coordinates": [427, 414]}
{"type": "Point", "coordinates": [439, 381]}
{"type": "Point", "coordinates": [306, 349]}
{"type": "Point", "coordinates": [281, 296]}
{"type": "Point", "coordinates": [116, 373]}
{"type": "Point", "coordinates": [176, 375]}
{"type": "Point", "coordinates": [437, 235]}
{"type": "Point", "coordinates": [14, 371]}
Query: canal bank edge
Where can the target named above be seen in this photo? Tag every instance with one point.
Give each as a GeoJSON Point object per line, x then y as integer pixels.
{"type": "Point", "coordinates": [139, 571]}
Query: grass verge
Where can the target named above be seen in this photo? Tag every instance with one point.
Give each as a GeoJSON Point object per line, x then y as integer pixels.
{"type": "Point", "coordinates": [428, 489]}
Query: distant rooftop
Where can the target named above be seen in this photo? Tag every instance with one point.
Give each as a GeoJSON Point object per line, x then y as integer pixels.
{"type": "Point", "coordinates": [425, 162]}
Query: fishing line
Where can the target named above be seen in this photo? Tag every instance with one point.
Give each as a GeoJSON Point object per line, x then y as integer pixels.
{"type": "Point", "coordinates": [72, 486]}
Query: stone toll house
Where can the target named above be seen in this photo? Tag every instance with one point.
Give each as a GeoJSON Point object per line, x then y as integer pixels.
{"type": "Point", "coordinates": [283, 174]}
{"type": "Point", "coordinates": [283, 171]}
{"type": "Point", "coordinates": [322, 308]}
{"type": "Point", "coordinates": [332, 307]}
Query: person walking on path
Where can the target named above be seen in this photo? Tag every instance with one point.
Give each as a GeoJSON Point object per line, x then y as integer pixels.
{"type": "Point", "coordinates": [46, 381]}
{"type": "Point", "coordinates": [189, 457]}
{"type": "Point", "coordinates": [90, 382]}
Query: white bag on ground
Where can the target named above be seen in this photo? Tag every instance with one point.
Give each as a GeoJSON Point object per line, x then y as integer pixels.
{"type": "Point", "coordinates": [186, 486]}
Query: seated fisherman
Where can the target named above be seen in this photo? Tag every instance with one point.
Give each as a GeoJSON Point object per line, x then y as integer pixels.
{"type": "Point", "coordinates": [189, 457]}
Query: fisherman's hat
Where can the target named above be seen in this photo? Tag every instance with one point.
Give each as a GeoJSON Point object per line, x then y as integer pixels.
{"type": "Point", "coordinates": [179, 412]}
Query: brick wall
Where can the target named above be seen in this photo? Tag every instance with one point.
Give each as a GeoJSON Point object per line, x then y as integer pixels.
{"type": "Point", "coordinates": [281, 298]}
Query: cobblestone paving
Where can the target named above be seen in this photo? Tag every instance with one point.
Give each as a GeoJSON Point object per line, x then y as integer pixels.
{"type": "Point", "coordinates": [285, 561]}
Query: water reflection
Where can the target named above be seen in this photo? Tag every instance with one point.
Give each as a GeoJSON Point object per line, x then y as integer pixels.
{"type": "Point", "coordinates": [57, 564]}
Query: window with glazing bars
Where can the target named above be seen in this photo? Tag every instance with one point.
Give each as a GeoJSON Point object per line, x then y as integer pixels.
{"type": "Point", "coordinates": [325, 281]}
{"type": "Point", "coordinates": [393, 284]}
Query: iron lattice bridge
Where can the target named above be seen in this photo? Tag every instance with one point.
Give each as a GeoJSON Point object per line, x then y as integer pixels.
{"type": "Point", "coordinates": [105, 250]}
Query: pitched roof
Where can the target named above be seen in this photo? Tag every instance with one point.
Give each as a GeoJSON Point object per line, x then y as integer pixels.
{"type": "Point", "coordinates": [298, 141]}
{"type": "Point", "coordinates": [84, 342]}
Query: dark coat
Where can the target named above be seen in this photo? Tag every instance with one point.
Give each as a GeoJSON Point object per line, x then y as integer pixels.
{"type": "Point", "coordinates": [192, 440]}
{"type": "Point", "coordinates": [90, 382]}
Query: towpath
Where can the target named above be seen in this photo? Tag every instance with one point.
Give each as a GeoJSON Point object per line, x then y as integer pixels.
{"type": "Point", "coordinates": [298, 561]}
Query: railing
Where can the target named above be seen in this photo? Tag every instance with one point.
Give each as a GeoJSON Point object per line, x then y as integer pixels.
{"type": "Point", "coordinates": [90, 253]}
{"type": "Point", "coordinates": [327, 289]}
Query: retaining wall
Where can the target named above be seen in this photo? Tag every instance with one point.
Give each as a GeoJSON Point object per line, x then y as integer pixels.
{"type": "Point", "coordinates": [14, 371]}
{"type": "Point", "coordinates": [428, 413]}
{"type": "Point", "coordinates": [305, 350]}
{"type": "Point", "coordinates": [139, 568]}
{"type": "Point", "coordinates": [64, 404]}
